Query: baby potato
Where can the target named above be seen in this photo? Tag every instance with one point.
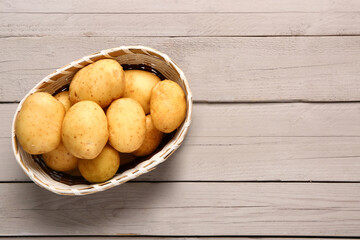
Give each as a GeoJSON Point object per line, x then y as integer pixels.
{"type": "Point", "coordinates": [127, 128]}
{"type": "Point", "coordinates": [152, 139]}
{"type": "Point", "coordinates": [101, 82]}
{"type": "Point", "coordinates": [167, 106]}
{"type": "Point", "coordinates": [64, 98]}
{"type": "Point", "coordinates": [138, 86]}
{"type": "Point", "coordinates": [75, 172]}
{"type": "Point", "coordinates": [60, 159]}
{"type": "Point", "coordinates": [101, 168]}
{"type": "Point", "coordinates": [85, 130]}
{"type": "Point", "coordinates": [38, 124]}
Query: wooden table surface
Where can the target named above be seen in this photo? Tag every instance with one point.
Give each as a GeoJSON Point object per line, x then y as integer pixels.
{"type": "Point", "coordinates": [274, 147]}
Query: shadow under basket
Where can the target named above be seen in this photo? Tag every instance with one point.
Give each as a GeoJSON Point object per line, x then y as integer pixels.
{"type": "Point", "coordinates": [130, 57]}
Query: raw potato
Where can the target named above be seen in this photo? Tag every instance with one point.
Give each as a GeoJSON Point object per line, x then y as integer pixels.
{"type": "Point", "coordinates": [85, 130]}
{"type": "Point", "coordinates": [127, 128]}
{"type": "Point", "coordinates": [38, 124]}
{"type": "Point", "coordinates": [101, 82]}
{"type": "Point", "coordinates": [101, 168]}
{"type": "Point", "coordinates": [152, 139]}
{"type": "Point", "coordinates": [60, 159]}
{"type": "Point", "coordinates": [138, 86]}
{"type": "Point", "coordinates": [64, 98]}
{"type": "Point", "coordinates": [167, 106]}
{"type": "Point", "coordinates": [75, 172]}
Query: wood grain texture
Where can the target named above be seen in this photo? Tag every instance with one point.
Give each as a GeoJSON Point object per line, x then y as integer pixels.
{"type": "Point", "coordinates": [297, 142]}
{"type": "Point", "coordinates": [231, 52]}
{"type": "Point", "coordinates": [174, 6]}
{"type": "Point", "coordinates": [180, 24]}
{"type": "Point", "coordinates": [242, 159]}
{"type": "Point", "coordinates": [247, 120]}
{"type": "Point", "coordinates": [218, 69]}
{"type": "Point", "coordinates": [185, 209]}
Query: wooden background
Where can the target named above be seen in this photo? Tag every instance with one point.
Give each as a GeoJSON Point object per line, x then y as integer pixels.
{"type": "Point", "coordinates": [274, 147]}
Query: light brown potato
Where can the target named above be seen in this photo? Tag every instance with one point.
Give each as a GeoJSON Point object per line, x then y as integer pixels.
{"type": "Point", "coordinates": [64, 98]}
{"type": "Point", "coordinates": [60, 159]}
{"type": "Point", "coordinates": [38, 124]}
{"type": "Point", "coordinates": [85, 130]}
{"type": "Point", "coordinates": [152, 139]}
{"type": "Point", "coordinates": [127, 128]}
{"type": "Point", "coordinates": [138, 86]}
{"type": "Point", "coordinates": [167, 106]}
{"type": "Point", "coordinates": [101, 82]}
{"type": "Point", "coordinates": [101, 168]}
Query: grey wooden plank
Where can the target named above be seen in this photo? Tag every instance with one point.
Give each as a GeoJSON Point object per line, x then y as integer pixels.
{"type": "Point", "coordinates": [249, 142]}
{"type": "Point", "coordinates": [218, 69]}
{"type": "Point", "coordinates": [181, 24]}
{"type": "Point", "coordinates": [6, 118]}
{"type": "Point", "coordinates": [106, 6]}
{"type": "Point", "coordinates": [258, 120]}
{"type": "Point", "coordinates": [244, 159]}
{"type": "Point", "coordinates": [185, 209]}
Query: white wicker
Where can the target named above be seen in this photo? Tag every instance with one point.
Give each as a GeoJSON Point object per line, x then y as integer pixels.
{"type": "Point", "coordinates": [61, 77]}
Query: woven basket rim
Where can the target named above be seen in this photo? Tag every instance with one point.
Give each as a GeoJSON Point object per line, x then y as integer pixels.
{"type": "Point", "coordinates": [130, 174]}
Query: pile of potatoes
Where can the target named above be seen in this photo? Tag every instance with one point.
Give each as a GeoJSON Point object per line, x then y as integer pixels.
{"type": "Point", "coordinates": [106, 112]}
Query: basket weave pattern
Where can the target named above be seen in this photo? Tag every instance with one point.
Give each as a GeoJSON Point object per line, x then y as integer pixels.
{"type": "Point", "coordinates": [61, 77]}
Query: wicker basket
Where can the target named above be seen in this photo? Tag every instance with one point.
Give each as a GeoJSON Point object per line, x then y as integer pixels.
{"type": "Point", "coordinates": [144, 57]}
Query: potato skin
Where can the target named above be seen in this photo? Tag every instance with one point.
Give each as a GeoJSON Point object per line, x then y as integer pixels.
{"type": "Point", "coordinates": [60, 159]}
{"type": "Point", "coordinates": [101, 82]}
{"type": "Point", "coordinates": [38, 124]}
{"type": "Point", "coordinates": [138, 86]}
{"type": "Point", "coordinates": [101, 168]}
{"type": "Point", "coordinates": [167, 106]}
{"type": "Point", "coordinates": [127, 128]}
{"type": "Point", "coordinates": [152, 140]}
{"type": "Point", "coordinates": [75, 172]}
{"type": "Point", "coordinates": [64, 98]}
{"type": "Point", "coordinates": [85, 130]}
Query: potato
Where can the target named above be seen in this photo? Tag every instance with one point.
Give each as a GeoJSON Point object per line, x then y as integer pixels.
{"type": "Point", "coordinates": [60, 159]}
{"type": "Point", "coordinates": [101, 168]}
{"type": "Point", "coordinates": [64, 98]}
{"type": "Point", "coordinates": [152, 139]}
{"type": "Point", "coordinates": [75, 172]}
{"type": "Point", "coordinates": [85, 130]}
{"type": "Point", "coordinates": [101, 82]}
{"type": "Point", "coordinates": [167, 106]}
{"type": "Point", "coordinates": [127, 128]}
{"type": "Point", "coordinates": [38, 124]}
{"type": "Point", "coordinates": [138, 86]}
